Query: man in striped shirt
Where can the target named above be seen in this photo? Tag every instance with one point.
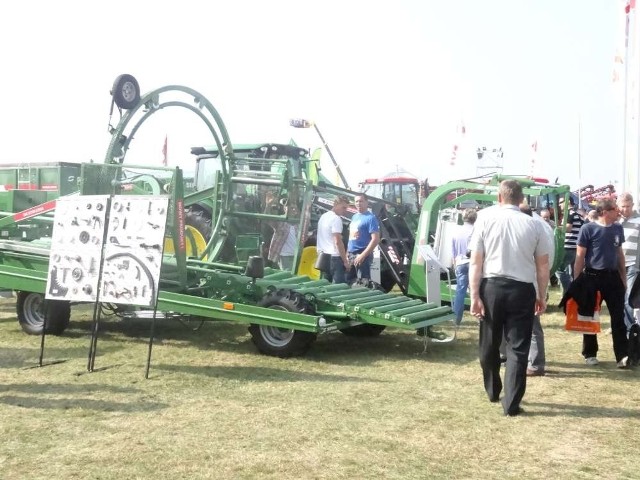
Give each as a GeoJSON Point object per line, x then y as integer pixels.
{"type": "Point", "coordinates": [573, 223]}
{"type": "Point", "coordinates": [630, 221]}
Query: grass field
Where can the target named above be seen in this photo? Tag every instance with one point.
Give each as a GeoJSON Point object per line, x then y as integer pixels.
{"type": "Point", "coordinates": [370, 408]}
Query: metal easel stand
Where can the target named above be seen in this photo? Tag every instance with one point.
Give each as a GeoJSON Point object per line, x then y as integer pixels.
{"type": "Point", "coordinates": [155, 307]}
{"type": "Point", "coordinates": [42, 338]}
{"type": "Point", "coordinates": [94, 333]}
{"type": "Point", "coordinates": [97, 311]}
{"type": "Point", "coordinates": [151, 334]}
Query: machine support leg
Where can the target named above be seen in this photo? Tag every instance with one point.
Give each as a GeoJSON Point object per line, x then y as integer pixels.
{"type": "Point", "coordinates": [153, 327]}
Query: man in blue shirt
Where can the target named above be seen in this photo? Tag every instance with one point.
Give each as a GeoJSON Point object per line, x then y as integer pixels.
{"type": "Point", "coordinates": [364, 236]}
{"type": "Point", "coordinates": [600, 258]}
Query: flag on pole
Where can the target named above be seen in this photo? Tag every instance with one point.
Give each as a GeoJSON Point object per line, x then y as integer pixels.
{"type": "Point", "coordinates": [460, 131]}
{"type": "Point", "coordinates": [164, 152]}
{"type": "Point", "coordinates": [631, 4]}
{"type": "Point", "coordinates": [534, 153]}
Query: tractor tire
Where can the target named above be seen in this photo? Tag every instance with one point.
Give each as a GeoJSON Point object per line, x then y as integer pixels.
{"type": "Point", "coordinates": [283, 342]}
{"type": "Point", "coordinates": [365, 330]}
{"type": "Point", "coordinates": [126, 92]}
{"type": "Point", "coordinates": [387, 282]}
{"type": "Point", "coordinates": [31, 309]}
{"type": "Point", "coordinates": [200, 220]}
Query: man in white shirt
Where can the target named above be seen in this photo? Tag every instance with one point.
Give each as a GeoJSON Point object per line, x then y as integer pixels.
{"type": "Point", "coordinates": [329, 240]}
{"type": "Point", "coordinates": [509, 256]}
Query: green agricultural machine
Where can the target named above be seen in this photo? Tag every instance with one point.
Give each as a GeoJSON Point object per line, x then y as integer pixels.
{"type": "Point", "coordinates": [213, 265]}
{"type": "Point", "coordinates": [443, 208]}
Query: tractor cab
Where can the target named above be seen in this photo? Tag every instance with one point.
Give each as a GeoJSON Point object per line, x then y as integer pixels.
{"type": "Point", "coordinates": [399, 190]}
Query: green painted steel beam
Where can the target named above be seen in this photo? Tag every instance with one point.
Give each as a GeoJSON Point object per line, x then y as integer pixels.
{"type": "Point", "coordinates": [357, 300]}
{"type": "Point", "coordinates": [389, 308]}
{"type": "Point", "coordinates": [16, 278]}
{"type": "Point", "coordinates": [315, 286]}
{"type": "Point", "coordinates": [407, 310]}
{"type": "Point", "coordinates": [353, 296]}
{"type": "Point", "coordinates": [344, 291]}
{"type": "Point", "coordinates": [391, 300]}
{"type": "Point", "coordinates": [277, 275]}
{"type": "Point", "coordinates": [230, 311]}
{"type": "Point", "coordinates": [433, 313]}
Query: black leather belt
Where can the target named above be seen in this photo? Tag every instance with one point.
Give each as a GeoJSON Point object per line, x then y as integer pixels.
{"type": "Point", "coordinates": [596, 273]}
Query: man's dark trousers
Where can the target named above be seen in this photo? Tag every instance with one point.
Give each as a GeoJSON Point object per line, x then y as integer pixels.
{"type": "Point", "coordinates": [509, 310]}
{"type": "Point", "coordinates": [613, 294]}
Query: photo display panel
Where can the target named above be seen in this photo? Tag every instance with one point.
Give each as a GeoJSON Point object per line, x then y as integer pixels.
{"type": "Point", "coordinates": [107, 249]}
{"type": "Point", "coordinates": [133, 249]}
{"type": "Point", "coordinates": [76, 248]}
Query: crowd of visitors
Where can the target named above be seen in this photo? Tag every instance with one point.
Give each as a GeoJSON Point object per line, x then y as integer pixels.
{"type": "Point", "coordinates": [502, 256]}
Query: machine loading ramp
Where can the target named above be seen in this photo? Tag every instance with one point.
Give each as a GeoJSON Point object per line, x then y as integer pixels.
{"type": "Point", "coordinates": [341, 302]}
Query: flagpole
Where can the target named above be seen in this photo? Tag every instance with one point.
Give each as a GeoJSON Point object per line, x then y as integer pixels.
{"type": "Point", "coordinates": [579, 162]}
{"type": "Point", "coordinates": [164, 152]}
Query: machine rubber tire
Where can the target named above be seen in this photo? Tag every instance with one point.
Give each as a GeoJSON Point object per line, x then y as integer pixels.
{"type": "Point", "coordinates": [126, 92]}
{"type": "Point", "coordinates": [310, 241]}
{"type": "Point", "coordinates": [200, 220]}
{"type": "Point", "coordinates": [31, 308]}
{"type": "Point", "coordinates": [282, 342]}
{"type": "Point", "coordinates": [365, 329]}
{"type": "Point", "coordinates": [387, 282]}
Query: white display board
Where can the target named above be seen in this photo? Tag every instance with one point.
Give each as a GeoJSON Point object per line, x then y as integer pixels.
{"type": "Point", "coordinates": [133, 249]}
{"type": "Point", "coordinates": [107, 249]}
{"type": "Point", "coordinates": [76, 248]}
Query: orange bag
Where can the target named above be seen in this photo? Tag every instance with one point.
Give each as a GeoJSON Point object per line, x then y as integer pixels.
{"type": "Point", "coordinates": [579, 323]}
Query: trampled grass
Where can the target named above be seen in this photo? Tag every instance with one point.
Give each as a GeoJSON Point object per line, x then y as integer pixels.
{"type": "Point", "coordinates": [351, 408]}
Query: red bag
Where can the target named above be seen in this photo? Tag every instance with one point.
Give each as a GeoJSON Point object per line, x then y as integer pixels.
{"type": "Point", "coordinates": [580, 323]}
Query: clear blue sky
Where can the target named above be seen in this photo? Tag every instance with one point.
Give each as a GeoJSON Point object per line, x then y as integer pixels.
{"type": "Point", "coordinates": [386, 82]}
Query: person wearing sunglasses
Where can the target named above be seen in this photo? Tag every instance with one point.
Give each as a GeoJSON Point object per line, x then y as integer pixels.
{"type": "Point", "coordinates": [600, 261]}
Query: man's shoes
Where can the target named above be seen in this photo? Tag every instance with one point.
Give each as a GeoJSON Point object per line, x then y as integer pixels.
{"type": "Point", "coordinates": [624, 363]}
{"type": "Point", "coordinates": [591, 361]}
{"type": "Point", "coordinates": [535, 372]}
{"type": "Point", "coordinates": [495, 399]}
{"type": "Point", "coordinates": [515, 413]}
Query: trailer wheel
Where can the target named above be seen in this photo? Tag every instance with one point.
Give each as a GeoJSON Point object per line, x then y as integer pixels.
{"type": "Point", "coordinates": [31, 308]}
{"type": "Point", "coordinates": [126, 92]}
{"type": "Point", "coordinates": [365, 329]}
{"type": "Point", "coordinates": [283, 342]}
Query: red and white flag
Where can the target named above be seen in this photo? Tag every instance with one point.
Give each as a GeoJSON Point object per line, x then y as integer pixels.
{"type": "Point", "coordinates": [534, 153]}
{"type": "Point", "coordinates": [164, 152]}
{"type": "Point", "coordinates": [460, 131]}
{"type": "Point", "coordinates": [631, 4]}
